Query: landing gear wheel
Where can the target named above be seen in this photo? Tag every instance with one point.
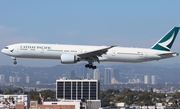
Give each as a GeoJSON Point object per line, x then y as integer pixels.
{"type": "Point", "coordinates": [15, 62]}
{"type": "Point", "coordinates": [90, 62]}
{"type": "Point", "coordinates": [87, 65]}
{"type": "Point", "coordinates": [94, 67]}
{"type": "Point", "coordinates": [90, 66]}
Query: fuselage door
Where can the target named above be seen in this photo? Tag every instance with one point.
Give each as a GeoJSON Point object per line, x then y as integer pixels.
{"type": "Point", "coordinates": [81, 50]}
{"type": "Point", "coordinates": [17, 49]}
{"type": "Point", "coordinates": [113, 52]}
{"type": "Point", "coordinates": [145, 54]}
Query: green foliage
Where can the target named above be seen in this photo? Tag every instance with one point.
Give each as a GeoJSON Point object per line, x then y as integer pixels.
{"type": "Point", "coordinates": [132, 97]}
{"type": "Point", "coordinates": [34, 95]}
{"type": "Point", "coordinates": [12, 91]}
{"type": "Point", "coordinates": [8, 91]}
{"type": "Point", "coordinates": [176, 95]}
{"type": "Point", "coordinates": [48, 94]}
{"type": "Point", "coordinates": [108, 97]}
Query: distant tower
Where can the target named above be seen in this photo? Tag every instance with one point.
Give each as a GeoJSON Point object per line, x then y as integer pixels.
{"type": "Point", "coordinates": [146, 79]}
{"type": "Point", "coordinates": [96, 74]}
{"type": "Point", "coordinates": [10, 79]}
{"type": "Point", "coordinates": [116, 74]}
{"type": "Point", "coordinates": [138, 81]}
{"type": "Point", "coordinates": [107, 76]}
{"type": "Point", "coordinates": [153, 79]}
{"type": "Point", "coordinates": [14, 79]}
{"type": "Point", "coordinates": [27, 79]}
{"type": "Point", "coordinates": [1, 78]}
{"type": "Point", "coordinates": [18, 79]}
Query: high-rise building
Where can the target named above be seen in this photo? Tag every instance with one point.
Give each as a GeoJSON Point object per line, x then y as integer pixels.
{"type": "Point", "coordinates": [77, 89]}
{"type": "Point", "coordinates": [153, 79]}
{"type": "Point", "coordinates": [116, 74]}
{"type": "Point", "coordinates": [10, 79]}
{"type": "Point", "coordinates": [96, 74]}
{"type": "Point", "coordinates": [138, 81]}
{"type": "Point", "coordinates": [27, 79]}
{"type": "Point", "coordinates": [108, 76]}
{"type": "Point", "coordinates": [146, 79]}
{"type": "Point", "coordinates": [18, 79]}
{"type": "Point", "coordinates": [1, 78]}
{"type": "Point", "coordinates": [14, 79]}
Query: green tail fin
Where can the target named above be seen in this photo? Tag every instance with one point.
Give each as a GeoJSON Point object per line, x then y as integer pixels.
{"type": "Point", "coordinates": [166, 42]}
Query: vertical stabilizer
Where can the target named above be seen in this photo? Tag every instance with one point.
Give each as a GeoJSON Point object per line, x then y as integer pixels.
{"type": "Point", "coordinates": [166, 42]}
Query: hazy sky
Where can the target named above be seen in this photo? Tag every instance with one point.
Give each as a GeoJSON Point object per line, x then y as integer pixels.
{"type": "Point", "coordinates": [135, 23]}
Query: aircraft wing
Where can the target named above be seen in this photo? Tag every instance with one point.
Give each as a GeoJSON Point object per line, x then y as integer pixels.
{"type": "Point", "coordinates": [94, 54]}
{"type": "Point", "coordinates": [171, 53]}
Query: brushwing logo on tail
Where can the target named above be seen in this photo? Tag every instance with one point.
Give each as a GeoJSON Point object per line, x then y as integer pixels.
{"type": "Point", "coordinates": [167, 42]}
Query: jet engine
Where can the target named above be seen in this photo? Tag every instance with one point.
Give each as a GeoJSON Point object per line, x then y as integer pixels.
{"type": "Point", "coordinates": [69, 59]}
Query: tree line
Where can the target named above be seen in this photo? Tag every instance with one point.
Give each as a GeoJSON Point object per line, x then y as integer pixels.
{"type": "Point", "coordinates": [110, 97]}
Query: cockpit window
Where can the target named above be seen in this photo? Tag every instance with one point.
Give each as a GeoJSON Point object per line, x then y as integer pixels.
{"type": "Point", "coordinates": [6, 47]}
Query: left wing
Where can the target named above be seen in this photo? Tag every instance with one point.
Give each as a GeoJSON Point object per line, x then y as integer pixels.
{"type": "Point", "coordinates": [93, 55]}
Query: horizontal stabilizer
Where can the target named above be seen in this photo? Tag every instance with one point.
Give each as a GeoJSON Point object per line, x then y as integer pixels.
{"type": "Point", "coordinates": [172, 53]}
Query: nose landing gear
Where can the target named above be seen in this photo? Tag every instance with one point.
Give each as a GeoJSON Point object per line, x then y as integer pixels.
{"type": "Point", "coordinates": [15, 62]}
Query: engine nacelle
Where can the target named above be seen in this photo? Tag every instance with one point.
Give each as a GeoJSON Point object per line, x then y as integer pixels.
{"type": "Point", "coordinates": [69, 59]}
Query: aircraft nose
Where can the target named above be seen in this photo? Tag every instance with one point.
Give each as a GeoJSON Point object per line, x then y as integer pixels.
{"type": "Point", "coordinates": [2, 50]}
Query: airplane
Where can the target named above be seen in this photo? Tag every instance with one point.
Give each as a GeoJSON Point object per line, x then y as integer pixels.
{"type": "Point", "coordinates": [70, 54]}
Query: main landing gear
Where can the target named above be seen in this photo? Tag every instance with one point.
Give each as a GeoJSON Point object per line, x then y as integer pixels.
{"type": "Point", "coordinates": [90, 63]}
{"type": "Point", "coordinates": [90, 66]}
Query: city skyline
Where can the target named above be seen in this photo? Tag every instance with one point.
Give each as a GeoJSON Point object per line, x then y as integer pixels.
{"type": "Point", "coordinates": [107, 75]}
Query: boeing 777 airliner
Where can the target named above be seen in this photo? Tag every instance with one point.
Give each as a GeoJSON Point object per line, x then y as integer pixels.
{"type": "Point", "coordinates": [69, 54]}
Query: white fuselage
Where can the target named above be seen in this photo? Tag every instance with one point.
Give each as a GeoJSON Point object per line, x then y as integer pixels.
{"type": "Point", "coordinates": [54, 51]}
